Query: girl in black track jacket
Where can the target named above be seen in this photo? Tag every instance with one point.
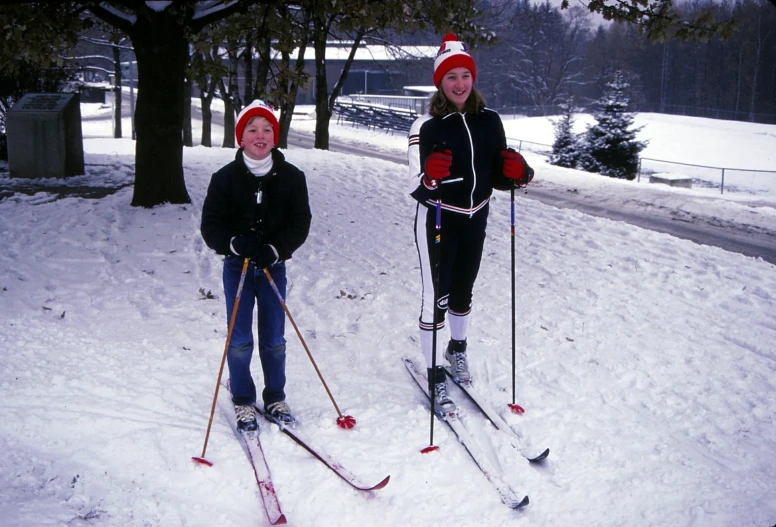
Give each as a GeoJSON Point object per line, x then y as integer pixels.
{"type": "Point", "coordinates": [457, 156]}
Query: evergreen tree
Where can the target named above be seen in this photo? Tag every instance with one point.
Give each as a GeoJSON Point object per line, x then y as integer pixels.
{"type": "Point", "coordinates": [565, 149]}
{"type": "Point", "coordinates": [610, 146]}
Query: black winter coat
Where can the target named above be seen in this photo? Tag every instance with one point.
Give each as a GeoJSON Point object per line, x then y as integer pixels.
{"type": "Point", "coordinates": [282, 219]}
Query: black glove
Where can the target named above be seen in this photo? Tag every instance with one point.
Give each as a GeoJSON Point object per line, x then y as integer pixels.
{"type": "Point", "coordinates": [265, 257]}
{"type": "Point", "coordinates": [247, 245]}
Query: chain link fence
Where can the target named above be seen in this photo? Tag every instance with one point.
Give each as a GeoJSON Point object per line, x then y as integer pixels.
{"type": "Point", "coordinates": [722, 178]}
{"type": "Point", "coordinates": [700, 176]}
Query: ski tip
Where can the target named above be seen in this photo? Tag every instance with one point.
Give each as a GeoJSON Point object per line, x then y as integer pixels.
{"type": "Point", "coordinates": [281, 520]}
{"type": "Point", "coordinates": [540, 457]}
{"type": "Point", "coordinates": [382, 484]}
{"type": "Point", "coordinates": [430, 448]}
{"type": "Point", "coordinates": [523, 503]}
{"type": "Point", "coordinates": [202, 461]}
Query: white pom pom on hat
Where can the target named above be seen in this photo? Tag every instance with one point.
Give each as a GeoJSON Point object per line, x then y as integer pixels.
{"type": "Point", "coordinates": [257, 108]}
{"type": "Point", "coordinates": [452, 54]}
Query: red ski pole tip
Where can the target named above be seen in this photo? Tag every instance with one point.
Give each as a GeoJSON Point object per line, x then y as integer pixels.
{"type": "Point", "coordinates": [346, 421]}
{"type": "Point", "coordinates": [202, 461]}
{"type": "Point", "coordinates": [516, 408]}
{"type": "Point", "coordinates": [428, 449]}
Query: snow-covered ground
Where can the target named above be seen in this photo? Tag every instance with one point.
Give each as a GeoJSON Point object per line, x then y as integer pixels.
{"type": "Point", "coordinates": [646, 363]}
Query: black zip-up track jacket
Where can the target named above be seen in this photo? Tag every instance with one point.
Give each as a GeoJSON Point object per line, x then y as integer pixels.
{"type": "Point", "coordinates": [282, 219]}
{"type": "Point", "coordinates": [476, 141]}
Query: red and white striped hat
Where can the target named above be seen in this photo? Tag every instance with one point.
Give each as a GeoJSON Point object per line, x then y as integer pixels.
{"type": "Point", "coordinates": [452, 54]}
{"type": "Point", "coordinates": [257, 108]}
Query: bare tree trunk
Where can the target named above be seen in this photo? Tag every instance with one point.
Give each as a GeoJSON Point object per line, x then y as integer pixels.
{"type": "Point", "coordinates": [248, 61]}
{"type": "Point", "coordinates": [322, 110]}
{"type": "Point", "coordinates": [291, 90]}
{"type": "Point", "coordinates": [262, 70]}
{"type": "Point", "coordinates": [206, 98]}
{"type": "Point", "coordinates": [187, 135]}
{"type": "Point", "coordinates": [323, 101]}
{"type": "Point", "coordinates": [739, 75]}
{"type": "Point", "coordinates": [162, 54]}
{"type": "Point", "coordinates": [232, 103]}
{"type": "Point", "coordinates": [234, 88]}
{"type": "Point", "coordinates": [116, 92]}
{"type": "Point", "coordinates": [207, 122]}
{"type": "Point", "coordinates": [664, 79]}
{"type": "Point", "coordinates": [761, 39]}
{"type": "Point", "coordinates": [229, 118]}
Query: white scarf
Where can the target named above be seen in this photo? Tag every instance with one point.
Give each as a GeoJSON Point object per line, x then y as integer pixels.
{"type": "Point", "coordinates": [258, 167]}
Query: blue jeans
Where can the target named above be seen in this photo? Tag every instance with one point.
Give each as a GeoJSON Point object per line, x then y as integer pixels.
{"type": "Point", "coordinates": [271, 329]}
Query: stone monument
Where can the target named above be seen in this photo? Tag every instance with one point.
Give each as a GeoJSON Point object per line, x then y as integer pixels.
{"type": "Point", "coordinates": [44, 136]}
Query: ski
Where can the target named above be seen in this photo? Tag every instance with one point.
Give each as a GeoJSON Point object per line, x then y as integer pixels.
{"type": "Point", "coordinates": [263, 480]}
{"type": "Point", "coordinates": [325, 458]}
{"type": "Point", "coordinates": [475, 397]}
{"type": "Point", "coordinates": [507, 494]}
{"type": "Point", "coordinates": [256, 456]}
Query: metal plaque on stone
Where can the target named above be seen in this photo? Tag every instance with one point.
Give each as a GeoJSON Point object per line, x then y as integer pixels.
{"type": "Point", "coordinates": [44, 136]}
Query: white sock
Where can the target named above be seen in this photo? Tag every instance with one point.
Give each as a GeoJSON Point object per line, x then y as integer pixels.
{"type": "Point", "coordinates": [426, 343]}
{"type": "Point", "coordinates": [458, 325]}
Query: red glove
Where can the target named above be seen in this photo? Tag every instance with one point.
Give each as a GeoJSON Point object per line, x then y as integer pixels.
{"type": "Point", "coordinates": [516, 168]}
{"type": "Point", "coordinates": [438, 164]}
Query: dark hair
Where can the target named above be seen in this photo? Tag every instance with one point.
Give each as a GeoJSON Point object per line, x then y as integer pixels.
{"type": "Point", "coordinates": [440, 105]}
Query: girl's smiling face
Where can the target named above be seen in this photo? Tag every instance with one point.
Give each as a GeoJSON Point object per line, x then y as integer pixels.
{"type": "Point", "coordinates": [258, 138]}
{"type": "Point", "coordinates": [457, 85]}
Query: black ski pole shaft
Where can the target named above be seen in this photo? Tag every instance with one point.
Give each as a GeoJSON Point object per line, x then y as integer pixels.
{"type": "Point", "coordinates": [514, 407]}
{"type": "Point", "coordinates": [437, 256]}
{"type": "Point", "coordinates": [512, 214]}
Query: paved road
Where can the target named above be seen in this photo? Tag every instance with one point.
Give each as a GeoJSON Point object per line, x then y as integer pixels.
{"type": "Point", "coordinates": [707, 230]}
{"type": "Point", "coordinates": [307, 141]}
{"type": "Point", "coordinates": [750, 240]}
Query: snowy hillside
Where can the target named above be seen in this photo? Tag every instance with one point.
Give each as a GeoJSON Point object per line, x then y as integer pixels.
{"type": "Point", "coordinates": [646, 363]}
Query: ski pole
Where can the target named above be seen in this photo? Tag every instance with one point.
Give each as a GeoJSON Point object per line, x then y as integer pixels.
{"type": "Point", "coordinates": [343, 421]}
{"type": "Point", "coordinates": [201, 459]}
{"type": "Point", "coordinates": [516, 408]}
{"type": "Point", "coordinates": [437, 255]}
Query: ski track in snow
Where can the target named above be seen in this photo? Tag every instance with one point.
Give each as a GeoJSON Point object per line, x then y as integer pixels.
{"type": "Point", "coordinates": [645, 362]}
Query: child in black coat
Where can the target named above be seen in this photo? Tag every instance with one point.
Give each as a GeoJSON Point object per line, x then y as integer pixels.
{"type": "Point", "coordinates": [257, 209]}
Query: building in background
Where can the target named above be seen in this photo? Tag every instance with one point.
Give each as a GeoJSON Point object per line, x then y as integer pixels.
{"type": "Point", "coordinates": [376, 69]}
